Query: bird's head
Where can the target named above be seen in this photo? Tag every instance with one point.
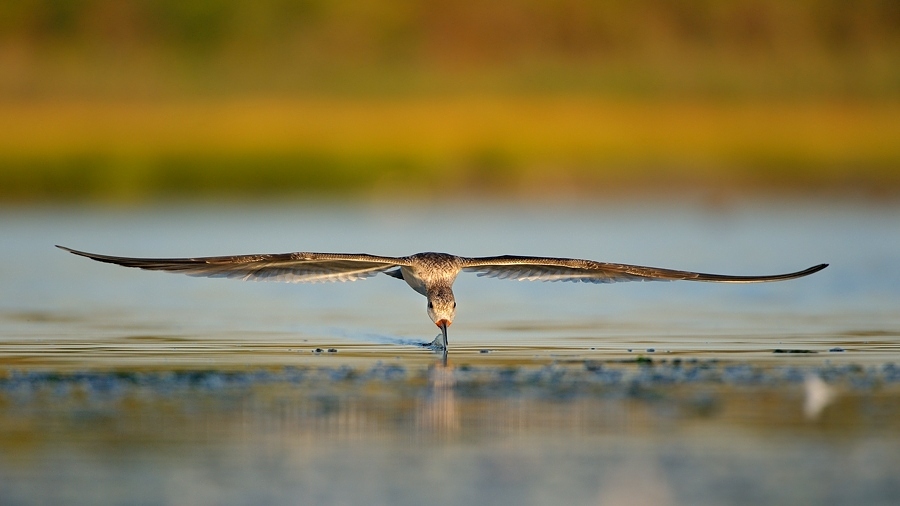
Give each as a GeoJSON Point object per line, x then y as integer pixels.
{"type": "Point", "coordinates": [441, 307]}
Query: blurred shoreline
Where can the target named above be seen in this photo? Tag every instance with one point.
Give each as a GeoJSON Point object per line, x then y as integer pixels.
{"type": "Point", "coordinates": [144, 101]}
{"type": "Point", "coordinates": [137, 151]}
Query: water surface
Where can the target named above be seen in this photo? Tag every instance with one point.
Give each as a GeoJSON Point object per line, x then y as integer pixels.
{"type": "Point", "coordinates": [122, 386]}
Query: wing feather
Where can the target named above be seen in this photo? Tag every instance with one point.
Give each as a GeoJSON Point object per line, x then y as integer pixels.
{"type": "Point", "coordinates": [300, 267]}
{"type": "Point", "coordinates": [523, 268]}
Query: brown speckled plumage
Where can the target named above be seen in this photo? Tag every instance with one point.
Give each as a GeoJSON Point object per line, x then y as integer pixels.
{"type": "Point", "coordinates": [431, 274]}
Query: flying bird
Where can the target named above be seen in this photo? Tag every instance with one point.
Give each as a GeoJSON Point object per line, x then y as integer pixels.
{"type": "Point", "coordinates": [430, 274]}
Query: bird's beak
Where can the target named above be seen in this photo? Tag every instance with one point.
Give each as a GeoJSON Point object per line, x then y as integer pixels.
{"type": "Point", "coordinates": [442, 324]}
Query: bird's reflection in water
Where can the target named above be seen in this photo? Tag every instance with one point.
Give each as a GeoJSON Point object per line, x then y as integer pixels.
{"type": "Point", "coordinates": [438, 412]}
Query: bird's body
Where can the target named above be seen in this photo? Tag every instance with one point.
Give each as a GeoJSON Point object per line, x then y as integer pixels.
{"type": "Point", "coordinates": [430, 274]}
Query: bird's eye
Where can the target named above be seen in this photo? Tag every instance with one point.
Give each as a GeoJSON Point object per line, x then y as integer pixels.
{"type": "Point", "coordinates": [454, 305]}
{"type": "Point", "coordinates": [430, 305]}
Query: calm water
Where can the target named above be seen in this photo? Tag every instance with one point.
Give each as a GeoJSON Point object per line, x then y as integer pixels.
{"type": "Point", "coordinates": [124, 386]}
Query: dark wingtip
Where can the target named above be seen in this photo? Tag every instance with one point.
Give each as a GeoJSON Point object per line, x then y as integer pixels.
{"type": "Point", "coordinates": [806, 272]}
{"type": "Point", "coordinates": [74, 251]}
{"type": "Point", "coordinates": [94, 256]}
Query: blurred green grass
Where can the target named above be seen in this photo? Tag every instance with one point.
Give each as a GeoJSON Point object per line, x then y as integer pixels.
{"type": "Point", "coordinates": [723, 48]}
{"type": "Point", "coordinates": [145, 99]}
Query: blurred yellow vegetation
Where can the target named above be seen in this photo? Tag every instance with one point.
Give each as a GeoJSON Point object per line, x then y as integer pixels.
{"type": "Point", "coordinates": [434, 146]}
{"type": "Point", "coordinates": [150, 98]}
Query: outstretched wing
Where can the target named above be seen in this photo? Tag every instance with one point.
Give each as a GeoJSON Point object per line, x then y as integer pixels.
{"type": "Point", "coordinates": [287, 267]}
{"type": "Point", "coordinates": [587, 271]}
